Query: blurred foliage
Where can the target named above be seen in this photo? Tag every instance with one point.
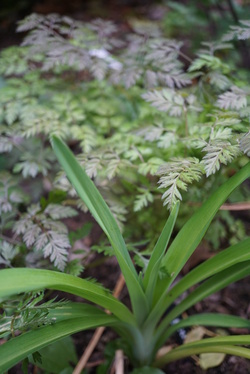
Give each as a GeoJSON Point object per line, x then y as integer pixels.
{"type": "Point", "coordinates": [150, 118]}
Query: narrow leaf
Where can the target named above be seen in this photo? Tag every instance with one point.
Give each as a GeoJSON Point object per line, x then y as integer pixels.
{"type": "Point", "coordinates": [14, 281]}
{"type": "Point", "coordinates": [223, 344]}
{"type": "Point", "coordinates": [97, 206]}
{"type": "Point", "coordinates": [91, 196]}
{"type": "Point", "coordinates": [152, 270]}
{"type": "Point", "coordinates": [18, 348]}
{"type": "Point", "coordinates": [226, 258]}
{"type": "Point", "coordinates": [191, 234]}
{"type": "Point", "coordinates": [209, 319]}
{"type": "Point", "coordinates": [193, 231]}
{"type": "Point", "coordinates": [214, 284]}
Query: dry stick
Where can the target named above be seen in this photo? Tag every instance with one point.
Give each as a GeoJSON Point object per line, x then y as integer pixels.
{"type": "Point", "coordinates": [233, 206]}
{"type": "Point", "coordinates": [98, 332]}
{"type": "Point", "coordinates": [118, 367]}
{"type": "Point", "coordinates": [236, 206]}
{"type": "Point", "coordinates": [93, 364]}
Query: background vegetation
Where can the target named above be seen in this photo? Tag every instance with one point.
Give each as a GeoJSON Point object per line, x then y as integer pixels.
{"type": "Point", "coordinates": [155, 111]}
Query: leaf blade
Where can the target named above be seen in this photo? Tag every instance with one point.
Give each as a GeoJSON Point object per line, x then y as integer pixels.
{"type": "Point", "coordinates": [226, 258]}
{"type": "Point", "coordinates": [224, 344]}
{"type": "Point", "coordinates": [18, 280]}
{"type": "Point", "coordinates": [151, 273]}
{"type": "Point", "coordinates": [212, 285]}
{"type": "Point", "coordinates": [209, 319]}
{"type": "Point", "coordinates": [194, 230]}
{"type": "Point", "coordinates": [97, 206]}
{"type": "Point", "coordinates": [20, 347]}
{"type": "Point", "coordinates": [192, 233]}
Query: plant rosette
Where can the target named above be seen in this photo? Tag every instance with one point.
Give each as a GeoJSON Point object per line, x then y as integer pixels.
{"type": "Point", "coordinates": [145, 328]}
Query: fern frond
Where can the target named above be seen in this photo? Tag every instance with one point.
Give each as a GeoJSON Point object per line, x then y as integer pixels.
{"type": "Point", "coordinates": [74, 267]}
{"type": "Point", "coordinates": [219, 80]}
{"type": "Point", "coordinates": [41, 230]}
{"type": "Point", "coordinates": [6, 144]}
{"type": "Point", "coordinates": [211, 47]}
{"type": "Point", "coordinates": [131, 75]}
{"type": "Point", "coordinates": [34, 162]}
{"type": "Point", "coordinates": [92, 166]}
{"type": "Point", "coordinates": [38, 119]}
{"type": "Point", "coordinates": [207, 61]}
{"type": "Point", "coordinates": [226, 119]}
{"type": "Point", "coordinates": [234, 99]}
{"type": "Point", "coordinates": [12, 111]}
{"type": "Point", "coordinates": [245, 143]}
{"type": "Point", "coordinates": [175, 176]}
{"type": "Point", "coordinates": [224, 133]}
{"type": "Point", "coordinates": [7, 252]}
{"type": "Point", "coordinates": [86, 135]}
{"type": "Point", "coordinates": [114, 164]}
{"type": "Point", "coordinates": [65, 42]}
{"type": "Point", "coordinates": [151, 78]}
{"type": "Point", "coordinates": [14, 61]}
{"type": "Point", "coordinates": [175, 78]}
{"type": "Point", "coordinates": [238, 32]}
{"type": "Point", "coordinates": [56, 249]}
{"type": "Point", "coordinates": [25, 220]}
{"type": "Point", "coordinates": [118, 210]}
{"type": "Point", "coordinates": [218, 152]}
{"type": "Point", "coordinates": [30, 313]}
{"type": "Point", "coordinates": [166, 101]}
{"type": "Point", "coordinates": [168, 139]}
{"type": "Point", "coordinates": [143, 199]}
{"type": "Point", "coordinates": [30, 22]}
{"type": "Point", "coordinates": [103, 28]}
{"type": "Point", "coordinates": [56, 211]}
{"type": "Point", "coordinates": [10, 193]}
{"type": "Point", "coordinates": [61, 182]}
{"type": "Point", "coordinates": [152, 133]}
{"type": "Point", "coordinates": [151, 166]}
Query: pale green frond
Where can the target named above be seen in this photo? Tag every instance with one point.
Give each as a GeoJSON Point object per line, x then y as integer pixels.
{"type": "Point", "coordinates": [175, 176]}
{"type": "Point", "coordinates": [218, 152]}
{"type": "Point", "coordinates": [241, 32]}
{"type": "Point", "coordinates": [234, 99]}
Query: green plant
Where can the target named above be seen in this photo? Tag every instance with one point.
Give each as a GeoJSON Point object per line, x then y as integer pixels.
{"type": "Point", "coordinates": [133, 112]}
{"type": "Point", "coordinates": [144, 329]}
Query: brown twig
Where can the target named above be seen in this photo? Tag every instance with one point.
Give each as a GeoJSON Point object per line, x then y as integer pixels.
{"type": "Point", "coordinates": [98, 332]}
{"type": "Point", "coordinates": [94, 363]}
{"type": "Point", "coordinates": [118, 366]}
{"type": "Point", "coordinates": [236, 206]}
{"type": "Point", "coordinates": [231, 207]}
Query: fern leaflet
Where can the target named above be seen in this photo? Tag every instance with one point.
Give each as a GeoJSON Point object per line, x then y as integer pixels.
{"type": "Point", "coordinates": [175, 176]}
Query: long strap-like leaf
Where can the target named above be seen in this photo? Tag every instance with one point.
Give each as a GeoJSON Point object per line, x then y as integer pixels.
{"type": "Point", "coordinates": [191, 234]}
{"type": "Point", "coordinates": [88, 192]}
{"type": "Point", "coordinates": [212, 285]}
{"type": "Point", "coordinates": [154, 264]}
{"type": "Point", "coordinates": [14, 281]}
{"type": "Point", "coordinates": [193, 231]}
{"type": "Point", "coordinates": [18, 348]}
{"type": "Point", "coordinates": [223, 344]}
{"type": "Point", "coordinates": [97, 206]}
{"type": "Point", "coordinates": [228, 257]}
{"type": "Point", "coordinates": [209, 319]}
